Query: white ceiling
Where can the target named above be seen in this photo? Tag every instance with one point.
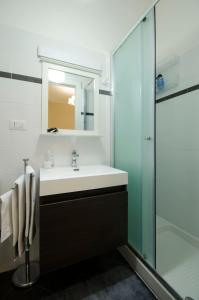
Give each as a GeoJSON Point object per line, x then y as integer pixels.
{"type": "Point", "coordinates": [93, 24]}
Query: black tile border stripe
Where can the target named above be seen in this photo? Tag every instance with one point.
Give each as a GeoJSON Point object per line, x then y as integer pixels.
{"type": "Point", "coordinates": [179, 93]}
{"type": "Point", "coordinates": [37, 80]}
{"type": "Point", "coordinates": [101, 92]}
{"type": "Point", "coordinates": [20, 77]}
{"type": "Point", "coordinates": [104, 92]}
{"type": "Point", "coordinates": [5, 74]}
{"type": "Point", "coordinates": [26, 78]}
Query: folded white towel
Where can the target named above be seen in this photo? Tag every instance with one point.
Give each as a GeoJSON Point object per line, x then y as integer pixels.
{"type": "Point", "coordinates": [32, 189]}
{"type": "Point", "coordinates": [20, 182]}
{"type": "Point", "coordinates": [6, 216]}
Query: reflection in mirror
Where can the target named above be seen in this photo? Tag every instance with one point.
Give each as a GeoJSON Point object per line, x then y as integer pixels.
{"type": "Point", "coordinates": [70, 101]}
{"type": "Point", "coordinates": [61, 106]}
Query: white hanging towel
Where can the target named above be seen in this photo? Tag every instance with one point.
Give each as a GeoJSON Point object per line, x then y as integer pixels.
{"type": "Point", "coordinates": [31, 189]}
{"type": "Point", "coordinates": [6, 216]}
{"type": "Point", "coordinates": [28, 201]}
{"type": "Point", "coordinates": [20, 188]}
{"type": "Point", "coordinates": [15, 216]}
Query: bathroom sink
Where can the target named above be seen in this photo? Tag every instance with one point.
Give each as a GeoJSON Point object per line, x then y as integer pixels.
{"type": "Point", "coordinates": [60, 180]}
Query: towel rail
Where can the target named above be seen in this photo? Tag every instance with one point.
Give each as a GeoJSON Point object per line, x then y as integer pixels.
{"type": "Point", "coordinates": [27, 274]}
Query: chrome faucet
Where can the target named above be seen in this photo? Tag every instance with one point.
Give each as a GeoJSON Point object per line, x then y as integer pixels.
{"type": "Point", "coordinates": [74, 161]}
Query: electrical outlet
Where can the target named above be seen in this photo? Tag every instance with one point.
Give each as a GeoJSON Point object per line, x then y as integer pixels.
{"type": "Point", "coordinates": [17, 125]}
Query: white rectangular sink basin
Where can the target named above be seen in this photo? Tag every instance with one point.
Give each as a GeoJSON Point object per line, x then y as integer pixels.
{"type": "Point", "coordinates": [65, 180]}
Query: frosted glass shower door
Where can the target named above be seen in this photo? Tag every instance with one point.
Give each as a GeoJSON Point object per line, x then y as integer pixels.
{"type": "Point", "coordinates": [148, 133]}
{"type": "Point", "coordinates": [127, 138]}
{"type": "Point", "coordinates": [134, 72]}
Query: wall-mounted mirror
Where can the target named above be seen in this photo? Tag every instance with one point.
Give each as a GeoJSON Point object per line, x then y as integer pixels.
{"type": "Point", "coordinates": [69, 100]}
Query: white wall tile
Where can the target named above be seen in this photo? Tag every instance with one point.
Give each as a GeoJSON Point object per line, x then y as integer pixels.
{"type": "Point", "coordinates": [18, 53]}
{"type": "Point", "coordinates": [178, 161]}
{"type": "Point", "coordinates": [188, 67]}
{"type": "Point", "coordinates": [22, 101]}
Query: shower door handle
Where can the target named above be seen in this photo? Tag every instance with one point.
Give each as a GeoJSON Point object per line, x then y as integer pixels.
{"type": "Point", "coordinates": [148, 138]}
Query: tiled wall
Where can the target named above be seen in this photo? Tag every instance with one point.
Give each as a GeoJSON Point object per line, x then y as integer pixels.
{"type": "Point", "coordinates": [21, 100]}
{"type": "Point", "coordinates": [187, 70]}
{"type": "Point", "coordinates": [178, 149]}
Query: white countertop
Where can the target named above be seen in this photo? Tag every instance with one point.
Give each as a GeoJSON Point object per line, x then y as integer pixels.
{"type": "Point", "coordinates": [64, 180]}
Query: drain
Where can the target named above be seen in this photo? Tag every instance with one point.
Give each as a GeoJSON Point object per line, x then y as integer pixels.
{"type": "Point", "coordinates": [189, 298]}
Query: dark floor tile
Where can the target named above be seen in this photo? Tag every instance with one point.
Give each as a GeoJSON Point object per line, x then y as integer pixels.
{"type": "Point", "coordinates": [5, 284]}
{"type": "Point", "coordinates": [9, 292]}
{"type": "Point", "coordinates": [27, 294]}
{"type": "Point", "coordinates": [81, 272]}
{"type": "Point", "coordinates": [103, 278]}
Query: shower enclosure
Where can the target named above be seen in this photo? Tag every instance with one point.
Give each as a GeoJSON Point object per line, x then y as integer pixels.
{"type": "Point", "coordinates": [134, 73]}
{"type": "Point", "coordinates": [156, 121]}
{"type": "Point", "coordinates": [177, 146]}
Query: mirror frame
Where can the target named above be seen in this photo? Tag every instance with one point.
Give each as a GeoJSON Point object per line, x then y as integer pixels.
{"type": "Point", "coordinates": [44, 121]}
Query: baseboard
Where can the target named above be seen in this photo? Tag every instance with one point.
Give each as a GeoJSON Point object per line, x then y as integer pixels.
{"type": "Point", "coordinates": [152, 282]}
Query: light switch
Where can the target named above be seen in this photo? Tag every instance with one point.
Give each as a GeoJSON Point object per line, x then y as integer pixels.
{"type": "Point", "coordinates": [17, 125]}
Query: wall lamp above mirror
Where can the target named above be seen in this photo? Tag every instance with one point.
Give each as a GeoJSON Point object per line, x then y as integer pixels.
{"type": "Point", "coordinates": [69, 101]}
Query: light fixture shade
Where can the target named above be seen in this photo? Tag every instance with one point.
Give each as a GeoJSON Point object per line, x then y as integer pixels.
{"type": "Point", "coordinates": [56, 76]}
{"type": "Point", "coordinates": [71, 100]}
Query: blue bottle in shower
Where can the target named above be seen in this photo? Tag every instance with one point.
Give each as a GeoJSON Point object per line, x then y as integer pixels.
{"type": "Point", "coordinates": [160, 82]}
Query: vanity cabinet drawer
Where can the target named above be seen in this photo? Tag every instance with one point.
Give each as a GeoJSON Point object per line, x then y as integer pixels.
{"type": "Point", "coordinates": [76, 229]}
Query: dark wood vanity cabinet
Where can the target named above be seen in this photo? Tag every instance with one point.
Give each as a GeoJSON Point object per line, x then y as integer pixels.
{"type": "Point", "coordinates": [79, 225]}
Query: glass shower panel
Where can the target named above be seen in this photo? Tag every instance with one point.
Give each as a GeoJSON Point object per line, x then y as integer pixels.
{"type": "Point", "coordinates": [177, 145]}
{"type": "Point", "coordinates": [147, 115]}
{"type": "Point", "coordinates": [127, 138]}
{"type": "Point", "coordinates": [134, 72]}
